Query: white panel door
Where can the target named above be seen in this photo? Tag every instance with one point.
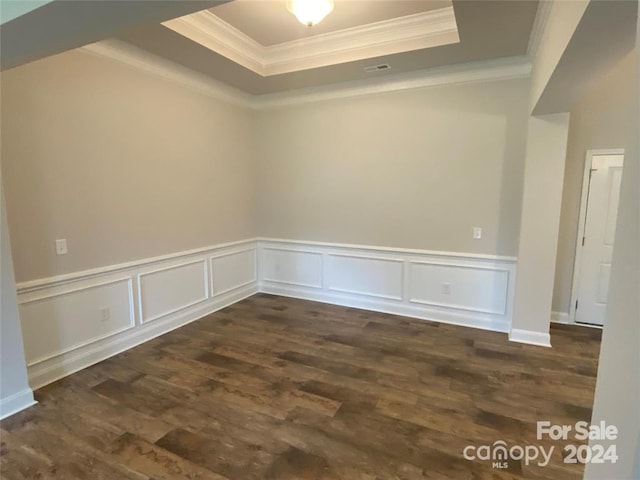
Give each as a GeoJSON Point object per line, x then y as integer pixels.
{"type": "Point", "coordinates": [599, 233]}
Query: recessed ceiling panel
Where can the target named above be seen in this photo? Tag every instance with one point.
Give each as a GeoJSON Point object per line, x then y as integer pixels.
{"type": "Point", "coordinates": [269, 22]}
{"type": "Point", "coordinates": [397, 34]}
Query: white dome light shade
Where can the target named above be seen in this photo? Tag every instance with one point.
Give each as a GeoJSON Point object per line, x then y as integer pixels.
{"type": "Point", "coordinates": [310, 12]}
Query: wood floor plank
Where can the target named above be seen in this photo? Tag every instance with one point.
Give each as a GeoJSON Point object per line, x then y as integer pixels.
{"type": "Point", "coordinates": [157, 462]}
{"type": "Point", "coordinates": [231, 458]}
{"type": "Point", "coordinates": [281, 389]}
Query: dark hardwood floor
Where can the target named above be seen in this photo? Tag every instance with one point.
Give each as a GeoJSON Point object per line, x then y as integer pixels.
{"type": "Point", "coordinates": [277, 388]}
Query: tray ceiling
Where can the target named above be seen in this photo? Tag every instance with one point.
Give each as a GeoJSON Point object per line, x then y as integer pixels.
{"type": "Point", "coordinates": [424, 29]}
{"type": "Point", "coordinates": [245, 45]}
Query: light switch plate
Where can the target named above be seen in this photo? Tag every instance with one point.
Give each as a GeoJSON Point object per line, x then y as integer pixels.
{"type": "Point", "coordinates": [61, 246]}
{"type": "Point", "coordinates": [477, 233]}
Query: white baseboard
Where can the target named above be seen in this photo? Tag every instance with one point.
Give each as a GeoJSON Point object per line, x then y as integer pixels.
{"type": "Point", "coordinates": [405, 282]}
{"type": "Point", "coordinates": [16, 403]}
{"type": "Point", "coordinates": [560, 317]}
{"type": "Point", "coordinates": [530, 337]}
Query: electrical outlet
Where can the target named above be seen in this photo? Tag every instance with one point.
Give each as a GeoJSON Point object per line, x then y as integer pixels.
{"type": "Point", "coordinates": [446, 288]}
{"type": "Point", "coordinates": [477, 233]}
{"type": "Point", "coordinates": [61, 246]}
{"type": "Point", "coordinates": [105, 314]}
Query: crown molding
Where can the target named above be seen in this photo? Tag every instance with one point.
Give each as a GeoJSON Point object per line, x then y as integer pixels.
{"type": "Point", "coordinates": [413, 32]}
{"type": "Point", "coordinates": [213, 33]}
{"type": "Point", "coordinates": [471, 72]}
{"type": "Point", "coordinates": [139, 59]}
{"type": "Point", "coordinates": [539, 25]}
{"type": "Point", "coordinates": [483, 71]}
{"type": "Point", "coordinates": [403, 34]}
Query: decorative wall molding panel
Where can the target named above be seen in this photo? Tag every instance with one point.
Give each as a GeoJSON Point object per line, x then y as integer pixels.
{"type": "Point", "coordinates": [463, 289]}
{"type": "Point", "coordinates": [73, 321]}
{"type": "Point", "coordinates": [157, 292]}
{"type": "Point", "coordinates": [412, 32]}
{"type": "Point", "coordinates": [232, 270]}
{"type": "Point", "coordinates": [291, 266]}
{"type": "Point", "coordinates": [368, 275]}
{"type": "Point", "coordinates": [476, 285]}
{"type": "Point", "coordinates": [64, 306]}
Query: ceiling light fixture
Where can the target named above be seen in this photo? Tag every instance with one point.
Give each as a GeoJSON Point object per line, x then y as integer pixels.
{"type": "Point", "coordinates": [310, 12]}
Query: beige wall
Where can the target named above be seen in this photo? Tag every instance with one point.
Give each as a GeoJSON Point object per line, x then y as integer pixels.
{"type": "Point", "coordinates": [537, 248]}
{"type": "Point", "coordinates": [561, 24]}
{"type": "Point", "coordinates": [15, 393]}
{"type": "Point", "coordinates": [602, 119]}
{"type": "Point", "coordinates": [415, 169]}
{"type": "Point", "coordinates": [127, 166]}
{"type": "Point", "coordinates": [617, 390]}
{"type": "Point", "coordinates": [122, 164]}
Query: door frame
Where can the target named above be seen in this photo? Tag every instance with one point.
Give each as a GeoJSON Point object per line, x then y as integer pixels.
{"type": "Point", "coordinates": [582, 219]}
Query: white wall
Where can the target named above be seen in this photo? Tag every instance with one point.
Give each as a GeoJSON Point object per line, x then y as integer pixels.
{"type": "Point", "coordinates": [410, 169]}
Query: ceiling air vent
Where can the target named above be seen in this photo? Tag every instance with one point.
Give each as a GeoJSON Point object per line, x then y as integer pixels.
{"type": "Point", "coordinates": [377, 68]}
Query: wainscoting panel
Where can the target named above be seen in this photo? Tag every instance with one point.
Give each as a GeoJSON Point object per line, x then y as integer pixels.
{"type": "Point", "coordinates": [76, 320]}
{"type": "Point", "coordinates": [69, 318]}
{"type": "Point", "coordinates": [169, 289]}
{"type": "Point", "coordinates": [291, 266]}
{"type": "Point", "coordinates": [373, 276]}
{"type": "Point", "coordinates": [463, 287]}
{"type": "Point", "coordinates": [459, 288]}
{"type": "Point", "coordinates": [233, 270]}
